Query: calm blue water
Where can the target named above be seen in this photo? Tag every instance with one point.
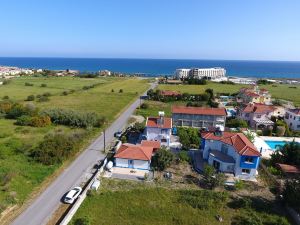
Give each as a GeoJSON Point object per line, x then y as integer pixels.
{"type": "Point", "coordinates": [155, 67]}
{"type": "Point", "coordinates": [274, 145]}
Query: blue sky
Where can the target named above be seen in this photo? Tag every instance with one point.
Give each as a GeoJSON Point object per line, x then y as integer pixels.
{"type": "Point", "coordinates": [193, 29]}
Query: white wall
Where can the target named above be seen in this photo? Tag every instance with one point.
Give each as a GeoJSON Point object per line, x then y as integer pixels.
{"type": "Point", "coordinates": [121, 162]}
{"type": "Point", "coordinates": [137, 164]}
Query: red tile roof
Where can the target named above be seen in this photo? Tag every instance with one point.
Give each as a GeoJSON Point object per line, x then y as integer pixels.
{"type": "Point", "coordinates": [170, 93]}
{"type": "Point", "coordinates": [252, 94]}
{"type": "Point", "coordinates": [199, 110]}
{"type": "Point", "coordinates": [153, 144]}
{"type": "Point", "coordinates": [155, 122]}
{"type": "Point", "coordinates": [288, 168]}
{"type": "Point", "coordinates": [239, 141]}
{"type": "Point", "coordinates": [257, 108]}
{"type": "Point", "coordinates": [130, 151]}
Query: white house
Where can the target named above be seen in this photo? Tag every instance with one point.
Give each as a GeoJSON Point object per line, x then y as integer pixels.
{"type": "Point", "coordinates": [230, 153]}
{"type": "Point", "coordinates": [292, 118]}
{"type": "Point", "coordinates": [134, 156]}
{"type": "Point", "coordinates": [199, 73]}
{"type": "Point", "coordinates": [159, 129]}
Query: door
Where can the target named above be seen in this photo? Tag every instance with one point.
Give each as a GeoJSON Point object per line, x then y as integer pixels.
{"type": "Point", "coordinates": [216, 165]}
{"type": "Point", "coordinates": [130, 163]}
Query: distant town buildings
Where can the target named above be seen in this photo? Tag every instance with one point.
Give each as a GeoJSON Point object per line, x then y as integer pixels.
{"type": "Point", "coordinates": [292, 118]}
{"type": "Point", "coordinates": [199, 73]}
{"type": "Point", "coordinates": [8, 71]}
{"type": "Point", "coordinates": [105, 73]}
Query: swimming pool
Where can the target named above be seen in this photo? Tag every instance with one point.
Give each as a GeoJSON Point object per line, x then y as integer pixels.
{"type": "Point", "coordinates": [275, 145]}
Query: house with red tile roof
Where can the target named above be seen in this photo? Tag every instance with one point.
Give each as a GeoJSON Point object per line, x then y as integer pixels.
{"type": "Point", "coordinates": [134, 156]}
{"type": "Point", "coordinates": [292, 118]}
{"type": "Point", "coordinates": [254, 95]}
{"type": "Point", "coordinates": [159, 129]}
{"type": "Point", "coordinates": [257, 115]}
{"type": "Point", "coordinates": [154, 144]}
{"type": "Point", "coordinates": [199, 117]}
{"type": "Point", "coordinates": [230, 152]}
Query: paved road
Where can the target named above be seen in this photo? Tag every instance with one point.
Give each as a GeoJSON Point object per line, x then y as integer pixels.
{"type": "Point", "coordinates": [40, 211]}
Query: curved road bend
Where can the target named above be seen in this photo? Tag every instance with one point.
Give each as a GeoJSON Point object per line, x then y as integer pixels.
{"type": "Point", "coordinates": [41, 209]}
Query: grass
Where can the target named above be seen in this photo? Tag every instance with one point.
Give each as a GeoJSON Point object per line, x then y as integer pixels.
{"type": "Point", "coordinates": [19, 175]}
{"type": "Point", "coordinates": [126, 202]}
{"type": "Point", "coordinates": [155, 107]}
{"type": "Point", "coordinates": [280, 91]}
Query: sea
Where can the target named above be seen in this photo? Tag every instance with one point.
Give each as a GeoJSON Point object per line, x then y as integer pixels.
{"type": "Point", "coordinates": [159, 67]}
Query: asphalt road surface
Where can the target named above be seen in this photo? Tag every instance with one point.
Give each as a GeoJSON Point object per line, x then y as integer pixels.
{"type": "Point", "coordinates": [42, 208]}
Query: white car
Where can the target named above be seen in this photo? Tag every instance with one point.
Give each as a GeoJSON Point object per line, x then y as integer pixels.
{"type": "Point", "coordinates": [72, 195]}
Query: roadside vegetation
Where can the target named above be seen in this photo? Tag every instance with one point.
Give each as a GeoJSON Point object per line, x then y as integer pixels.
{"type": "Point", "coordinates": [41, 128]}
{"type": "Point", "coordinates": [152, 203]}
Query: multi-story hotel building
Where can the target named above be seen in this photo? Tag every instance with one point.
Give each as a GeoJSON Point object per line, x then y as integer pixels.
{"type": "Point", "coordinates": [199, 73]}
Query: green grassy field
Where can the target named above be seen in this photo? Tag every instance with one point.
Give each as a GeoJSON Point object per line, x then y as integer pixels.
{"type": "Point", "coordinates": [125, 202]}
{"type": "Point", "coordinates": [19, 175]}
{"type": "Point", "coordinates": [280, 91]}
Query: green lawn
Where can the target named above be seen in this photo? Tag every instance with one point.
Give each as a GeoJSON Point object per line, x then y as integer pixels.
{"type": "Point", "coordinates": [281, 91]}
{"type": "Point", "coordinates": [19, 175]}
{"type": "Point", "coordinates": [125, 202]}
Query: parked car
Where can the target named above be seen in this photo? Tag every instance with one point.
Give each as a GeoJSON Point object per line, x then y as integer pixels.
{"type": "Point", "coordinates": [72, 195]}
{"type": "Point", "coordinates": [118, 134]}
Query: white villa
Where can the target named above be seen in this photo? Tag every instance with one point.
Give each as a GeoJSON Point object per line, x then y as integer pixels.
{"type": "Point", "coordinates": [292, 118]}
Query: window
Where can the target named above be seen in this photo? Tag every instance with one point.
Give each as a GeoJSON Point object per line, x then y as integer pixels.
{"type": "Point", "coordinates": [294, 117]}
{"type": "Point", "coordinates": [246, 171]}
{"type": "Point", "coordinates": [298, 126]}
{"type": "Point", "coordinates": [249, 159]}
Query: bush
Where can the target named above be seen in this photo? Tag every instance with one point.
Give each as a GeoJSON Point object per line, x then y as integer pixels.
{"type": "Point", "coordinates": [43, 85]}
{"type": "Point", "coordinates": [6, 97]}
{"type": "Point", "coordinates": [112, 90]}
{"type": "Point", "coordinates": [212, 178]}
{"type": "Point", "coordinates": [43, 99]}
{"type": "Point", "coordinates": [5, 106]}
{"type": "Point", "coordinates": [40, 121]}
{"type": "Point", "coordinates": [189, 137]}
{"type": "Point", "coordinates": [57, 147]}
{"type": "Point", "coordinates": [47, 94]}
{"type": "Point", "coordinates": [144, 106]}
{"type": "Point", "coordinates": [291, 193]}
{"type": "Point", "coordinates": [65, 93]}
{"type": "Point", "coordinates": [280, 131]}
{"type": "Point", "coordinates": [162, 159]}
{"type": "Point", "coordinates": [121, 91]}
{"type": "Point", "coordinates": [23, 120]}
{"type": "Point", "coordinates": [28, 84]}
{"type": "Point", "coordinates": [184, 156]}
{"type": "Point", "coordinates": [6, 82]}
{"type": "Point", "coordinates": [16, 111]}
{"type": "Point", "coordinates": [74, 118]}
{"type": "Point", "coordinates": [236, 123]}
{"type": "Point", "coordinates": [82, 221]}
{"type": "Point", "coordinates": [30, 98]}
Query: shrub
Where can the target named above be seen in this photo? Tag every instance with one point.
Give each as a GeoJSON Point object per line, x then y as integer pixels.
{"type": "Point", "coordinates": [112, 90]}
{"type": "Point", "coordinates": [5, 106]}
{"type": "Point", "coordinates": [162, 159]}
{"type": "Point", "coordinates": [6, 97]}
{"type": "Point", "coordinates": [82, 221]}
{"type": "Point", "coordinates": [43, 99]}
{"type": "Point", "coordinates": [16, 111]}
{"type": "Point", "coordinates": [6, 82]}
{"type": "Point", "coordinates": [144, 106]}
{"type": "Point", "coordinates": [65, 93]}
{"type": "Point", "coordinates": [30, 98]}
{"type": "Point", "coordinates": [40, 121]}
{"type": "Point", "coordinates": [212, 178]}
{"type": "Point", "coordinates": [28, 84]}
{"type": "Point", "coordinates": [280, 131]}
{"type": "Point", "coordinates": [74, 118]}
{"type": "Point", "coordinates": [57, 147]}
{"type": "Point", "coordinates": [121, 91]}
{"type": "Point", "coordinates": [189, 137]}
{"type": "Point", "coordinates": [23, 120]}
{"type": "Point", "coordinates": [47, 94]}
{"type": "Point", "coordinates": [43, 85]}
{"type": "Point", "coordinates": [236, 123]}
{"type": "Point", "coordinates": [184, 156]}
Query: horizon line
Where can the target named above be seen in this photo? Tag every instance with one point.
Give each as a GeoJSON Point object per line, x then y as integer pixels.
{"type": "Point", "coordinates": [150, 58]}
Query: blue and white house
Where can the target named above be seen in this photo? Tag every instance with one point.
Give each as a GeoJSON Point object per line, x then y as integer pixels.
{"type": "Point", "coordinates": [230, 152]}
{"type": "Point", "coordinates": [159, 129]}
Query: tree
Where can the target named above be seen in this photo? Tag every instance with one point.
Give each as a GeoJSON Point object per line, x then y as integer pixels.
{"type": "Point", "coordinates": [212, 178]}
{"type": "Point", "coordinates": [184, 138]}
{"type": "Point", "coordinates": [162, 159]}
{"type": "Point", "coordinates": [236, 123]}
{"type": "Point", "coordinates": [291, 193]}
{"type": "Point", "coordinates": [289, 154]}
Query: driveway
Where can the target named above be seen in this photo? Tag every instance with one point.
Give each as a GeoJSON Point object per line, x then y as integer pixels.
{"type": "Point", "coordinates": [41, 209]}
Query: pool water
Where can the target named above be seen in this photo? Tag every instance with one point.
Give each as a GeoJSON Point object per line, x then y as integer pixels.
{"type": "Point", "coordinates": [275, 145]}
